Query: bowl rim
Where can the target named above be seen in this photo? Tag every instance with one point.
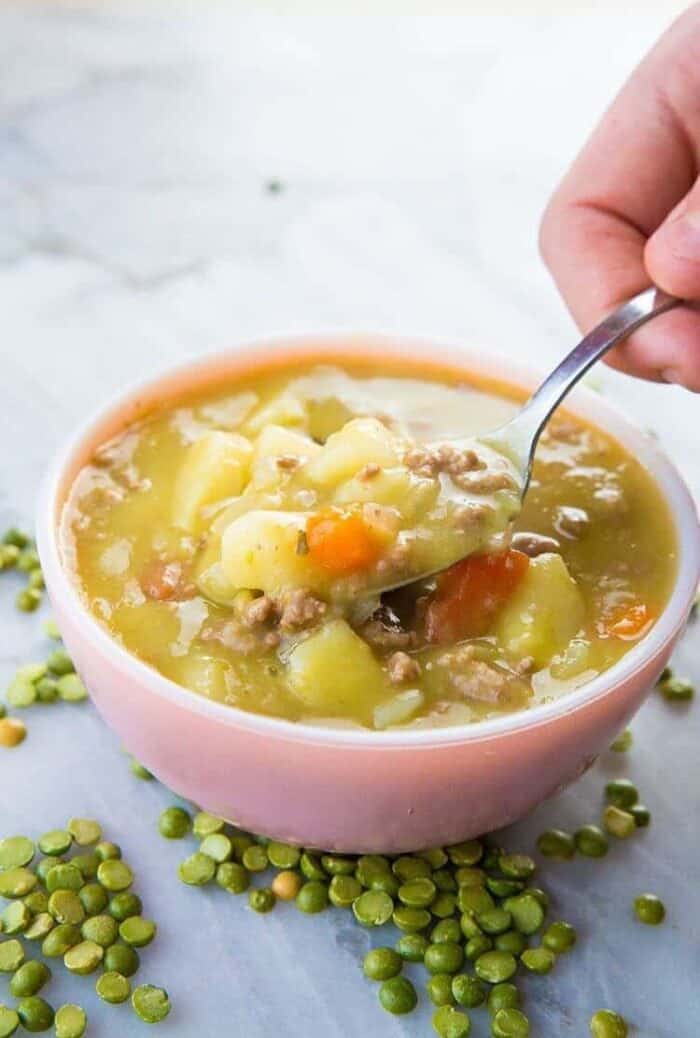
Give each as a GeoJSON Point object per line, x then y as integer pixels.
{"type": "Point", "coordinates": [586, 403]}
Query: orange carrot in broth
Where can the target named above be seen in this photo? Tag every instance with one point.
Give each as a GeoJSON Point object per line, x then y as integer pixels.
{"type": "Point", "coordinates": [470, 594]}
{"type": "Point", "coordinates": [342, 544]}
{"type": "Point", "coordinates": [628, 622]}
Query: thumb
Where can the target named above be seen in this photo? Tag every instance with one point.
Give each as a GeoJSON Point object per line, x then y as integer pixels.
{"type": "Point", "coordinates": [672, 253]}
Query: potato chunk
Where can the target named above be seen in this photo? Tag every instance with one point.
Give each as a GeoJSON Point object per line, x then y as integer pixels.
{"type": "Point", "coordinates": [544, 613]}
{"type": "Point", "coordinates": [259, 550]}
{"type": "Point", "coordinates": [214, 583]}
{"type": "Point", "coordinates": [399, 709]}
{"type": "Point", "coordinates": [333, 672]}
{"type": "Point", "coordinates": [326, 416]}
{"type": "Point", "coordinates": [204, 674]}
{"type": "Point", "coordinates": [361, 441]}
{"type": "Point", "coordinates": [284, 409]}
{"type": "Point", "coordinates": [215, 466]}
{"type": "Point", "coordinates": [395, 486]}
{"type": "Point", "coordinates": [276, 451]}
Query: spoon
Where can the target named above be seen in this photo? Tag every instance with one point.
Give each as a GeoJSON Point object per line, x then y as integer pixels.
{"type": "Point", "coordinates": [517, 439]}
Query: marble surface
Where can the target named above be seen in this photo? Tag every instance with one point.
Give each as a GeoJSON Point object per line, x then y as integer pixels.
{"type": "Point", "coordinates": [136, 230]}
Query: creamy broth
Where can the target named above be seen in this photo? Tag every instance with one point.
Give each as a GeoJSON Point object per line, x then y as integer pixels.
{"type": "Point", "coordinates": [237, 541]}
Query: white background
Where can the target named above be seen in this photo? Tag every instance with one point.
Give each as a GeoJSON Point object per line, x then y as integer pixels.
{"type": "Point", "coordinates": [416, 155]}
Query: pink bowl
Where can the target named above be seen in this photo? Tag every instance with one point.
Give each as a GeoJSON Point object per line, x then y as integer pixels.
{"type": "Point", "coordinates": [352, 790]}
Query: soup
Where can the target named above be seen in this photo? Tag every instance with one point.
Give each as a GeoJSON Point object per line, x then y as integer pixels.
{"type": "Point", "coordinates": [241, 542]}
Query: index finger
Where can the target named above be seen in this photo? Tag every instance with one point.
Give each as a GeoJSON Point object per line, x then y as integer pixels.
{"type": "Point", "coordinates": [638, 164]}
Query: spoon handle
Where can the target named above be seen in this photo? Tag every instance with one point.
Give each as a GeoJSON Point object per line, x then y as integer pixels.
{"type": "Point", "coordinates": [525, 428]}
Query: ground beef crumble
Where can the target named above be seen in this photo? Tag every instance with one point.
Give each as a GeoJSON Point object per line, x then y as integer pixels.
{"type": "Point", "coordinates": [287, 462]}
{"type": "Point", "coordinates": [465, 516]}
{"type": "Point", "coordinates": [485, 482]}
{"type": "Point", "coordinates": [467, 470]}
{"type": "Point", "coordinates": [481, 682]}
{"type": "Point", "coordinates": [232, 634]}
{"type": "Point", "coordinates": [430, 461]}
{"type": "Point", "coordinates": [259, 611]}
{"type": "Point", "coordinates": [291, 611]}
{"type": "Point", "coordinates": [565, 431]}
{"type": "Point", "coordinates": [299, 608]}
{"type": "Point", "coordinates": [403, 667]}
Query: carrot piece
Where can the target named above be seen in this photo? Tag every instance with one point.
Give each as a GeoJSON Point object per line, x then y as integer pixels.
{"type": "Point", "coordinates": [470, 593]}
{"type": "Point", "coordinates": [628, 622]}
{"type": "Point", "coordinates": [340, 543]}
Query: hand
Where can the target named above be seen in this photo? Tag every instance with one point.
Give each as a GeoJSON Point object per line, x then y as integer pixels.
{"type": "Point", "coordinates": [627, 214]}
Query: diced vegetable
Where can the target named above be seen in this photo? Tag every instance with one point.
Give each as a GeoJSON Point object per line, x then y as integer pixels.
{"type": "Point", "coordinates": [575, 658]}
{"type": "Point", "coordinates": [398, 709]}
{"type": "Point", "coordinates": [214, 583]}
{"type": "Point", "coordinates": [628, 623]}
{"type": "Point", "coordinates": [543, 614]}
{"type": "Point", "coordinates": [284, 409]}
{"type": "Point", "coordinates": [274, 442]}
{"type": "Point", "coordinates": [334, 672]}
{"type": "Point", "coordinates": [247, 502]}
{"type": "Point", "coordinates": [206, 675]}
{"type": "Point", "coordinates": [342, 544]}
{"type": "Point", "coordinates": [326, 416]}
{"type": "Point", "coordinates": [216, 466]}
{"type": "Point", "coordinates": [395, 486]}
{"type": "Point", "coordinates": [359, 443]}
{"type": "Point", "coordinates": [470, 594]}
{"type": "Point", "coordinates": [260, 550]}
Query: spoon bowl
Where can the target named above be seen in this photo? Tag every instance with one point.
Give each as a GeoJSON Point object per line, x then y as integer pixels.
{"type": "Point", "coordinates": [516, 441]}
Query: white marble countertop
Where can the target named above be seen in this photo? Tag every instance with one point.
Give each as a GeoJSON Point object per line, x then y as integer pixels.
{"type": "Point", "coordinates": [136, 230]}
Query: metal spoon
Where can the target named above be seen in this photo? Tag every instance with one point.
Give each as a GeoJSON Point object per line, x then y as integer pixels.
{"type": "Point", "coordinates": [517, 439]}
{"type": "Point", "coordinates": [520, 435]}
